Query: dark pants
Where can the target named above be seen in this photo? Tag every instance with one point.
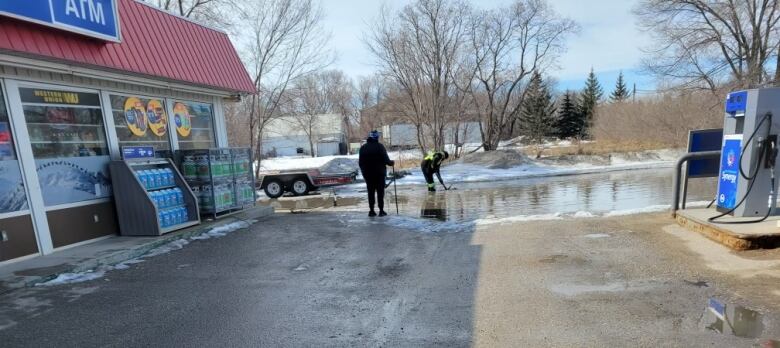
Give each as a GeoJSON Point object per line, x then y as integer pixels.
{"type": "Point", "coordinates": [376, 186]}
{"type": "Point", "coordinates": [428, 174]}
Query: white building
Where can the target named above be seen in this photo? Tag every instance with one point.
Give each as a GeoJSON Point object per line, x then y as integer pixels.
{"type": "Point", "coordinates": [404, 135]}
{"type": "Point", "coordinates": [289, 136]}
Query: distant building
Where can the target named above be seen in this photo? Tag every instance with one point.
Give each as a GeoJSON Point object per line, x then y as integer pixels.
{"type": "Point", "coordinates": [404, 135]}
{"type": "Point", "coordinates": [288, 136]}
{"type": "Point", "coordinates": [398, 132]}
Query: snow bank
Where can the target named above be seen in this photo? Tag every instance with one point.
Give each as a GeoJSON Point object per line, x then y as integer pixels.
{"type": "Point", "coordinates": [478, 170]}
{"type": "Point", "coordinates": [328, 164]}
{"type": "Point", "coordinates": [500, 159]}
{"type": "Point", "coordinates": [340, 166]}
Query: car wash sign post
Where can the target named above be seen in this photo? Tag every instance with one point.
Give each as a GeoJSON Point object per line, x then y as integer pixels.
{"type": "Point", "coordinates": [95, 18]}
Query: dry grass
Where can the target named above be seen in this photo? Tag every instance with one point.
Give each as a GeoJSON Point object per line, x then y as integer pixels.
{"type": "Point", "coordinates": [657, 121]}
{"type": "Point", "coordinates": [597, 148]}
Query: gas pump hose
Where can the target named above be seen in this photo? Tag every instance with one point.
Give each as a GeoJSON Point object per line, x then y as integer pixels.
{"type": "Point", "coordinates": [766, 150]}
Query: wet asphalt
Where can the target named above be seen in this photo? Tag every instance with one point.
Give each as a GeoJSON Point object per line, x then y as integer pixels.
{"type": "Point", "coordinates": [341, 279]}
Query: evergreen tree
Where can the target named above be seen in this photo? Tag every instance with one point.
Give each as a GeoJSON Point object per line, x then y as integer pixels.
{"type": "Point", "coordinates": [569, 123]}
{"type": "Point", "coordinates": [621, 91]}
{"type": "Point", "coordinates": [537, 117]}
{"type": "Point", "coordinates": [589, 99]}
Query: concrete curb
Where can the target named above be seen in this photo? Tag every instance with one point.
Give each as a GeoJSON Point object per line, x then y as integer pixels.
{"type": "Point", "coordinates": [117, 256]}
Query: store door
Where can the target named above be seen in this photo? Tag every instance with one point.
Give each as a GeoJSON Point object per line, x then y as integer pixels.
{"type": "Point", "coordinates": [63, 140]}
{"type": "Point", "coordinates": [17, 231]}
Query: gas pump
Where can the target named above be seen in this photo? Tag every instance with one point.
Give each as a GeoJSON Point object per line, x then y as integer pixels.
{"type": "Point", "coordinates": [747, 185]}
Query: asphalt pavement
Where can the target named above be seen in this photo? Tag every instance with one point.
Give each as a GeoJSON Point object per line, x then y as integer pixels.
{"type": "Point", "coordinates": [341, 279]}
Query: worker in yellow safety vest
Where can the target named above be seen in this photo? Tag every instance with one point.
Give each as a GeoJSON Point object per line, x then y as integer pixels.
{"type": "Point", "coordinates": [431, 165]}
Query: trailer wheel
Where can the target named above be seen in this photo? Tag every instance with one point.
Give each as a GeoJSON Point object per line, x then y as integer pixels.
{"type": "Point", "coordinates": [300, 187]}
{"type": "Point", "coordinates": [274, 188]}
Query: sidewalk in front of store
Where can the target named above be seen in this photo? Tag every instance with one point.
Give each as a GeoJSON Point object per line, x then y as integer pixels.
{"type": "Point", "coordinates": [107, 252]}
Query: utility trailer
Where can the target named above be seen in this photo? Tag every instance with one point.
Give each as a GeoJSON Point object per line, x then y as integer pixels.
{"type": "Point", "coordinates": [301, 183]}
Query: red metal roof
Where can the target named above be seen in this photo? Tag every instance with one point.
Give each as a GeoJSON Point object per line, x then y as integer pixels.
{"type": "Point", "coordinates": [154, 43]}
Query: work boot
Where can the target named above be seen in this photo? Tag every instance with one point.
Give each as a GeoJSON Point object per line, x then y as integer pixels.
{"type": "Point", "coordinates": [431, 189]}
{"type": "Point", "coordinates": [371, 214]}
{"type": "Point", "coordinates": [382, 213]}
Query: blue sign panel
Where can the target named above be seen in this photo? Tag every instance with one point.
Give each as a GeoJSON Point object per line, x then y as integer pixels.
{"type": "Point", "coordinates": [704, 140]}
{"type": "Point", "coordinates": [729, 171]}
{"type": "Point", "coordinates": [96, 18]}
{"type": "Point", "coordinates": [736, 103]}
{"type": "Point", "coordinates": [136, 152]}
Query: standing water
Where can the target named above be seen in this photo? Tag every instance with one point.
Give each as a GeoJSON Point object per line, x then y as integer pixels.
{"type": "Point", "coordinates": [619, 192]}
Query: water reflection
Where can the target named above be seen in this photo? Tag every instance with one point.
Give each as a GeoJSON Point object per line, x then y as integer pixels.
{"type": "Point", "coordinates": [732, 320]}
{"type": "Point", "coordinates": [435, 207]}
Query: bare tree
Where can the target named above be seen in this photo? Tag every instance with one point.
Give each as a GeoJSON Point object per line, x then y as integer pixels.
{"type": "Point", "coordinates": [507, 45]}
{"type": "Point", "coordinates": [283, 41]}
{"type": "Point", "coordinates": [368, 92]}
{"type": "Point", "coordinates": [418, 49]}
{"type": "Point", "coordinates": [705, 43]}
{"type": "Point", "coordinates": [218, 13]}
{"type": "Point", "coordinates": [315, 95]}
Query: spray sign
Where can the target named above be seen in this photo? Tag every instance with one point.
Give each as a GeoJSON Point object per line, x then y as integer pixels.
{"type": "Point", "coordinates": [95, 18]}
{"type": "Point", "coordinates": [729, 171]}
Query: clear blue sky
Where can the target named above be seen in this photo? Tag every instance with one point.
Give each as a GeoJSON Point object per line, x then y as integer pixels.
{"type": "Point", "coordinates": [609, 41]}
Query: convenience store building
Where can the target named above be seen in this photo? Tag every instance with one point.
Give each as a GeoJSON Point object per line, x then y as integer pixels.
{"type": "Point", "coordinates": [79, 80]}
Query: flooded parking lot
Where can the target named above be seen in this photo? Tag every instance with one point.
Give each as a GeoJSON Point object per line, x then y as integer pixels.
{"type": "Point", "coordinates": [612, 193]}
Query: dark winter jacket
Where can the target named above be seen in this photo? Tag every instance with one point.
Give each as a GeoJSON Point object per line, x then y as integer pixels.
{"type": "Point", "coordinates": [432, 162]}
{"type": "Point", "coordinates": [373, 159]}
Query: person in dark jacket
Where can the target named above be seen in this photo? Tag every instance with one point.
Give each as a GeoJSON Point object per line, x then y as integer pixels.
{"type": "Point", "coordinates": [431, 165]}
{"type": "Point", "coordinates": [373, 160]}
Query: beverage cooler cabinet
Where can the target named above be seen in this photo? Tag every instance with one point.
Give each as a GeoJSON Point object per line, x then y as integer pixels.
{"type": "Point", "coordinates": [152, 198]}
{"type": "Point", "coordinates": [221, 178]}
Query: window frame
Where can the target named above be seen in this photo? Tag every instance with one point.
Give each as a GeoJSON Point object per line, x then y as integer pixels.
{"type": "Point", "coordinates": [106, 94]}
{"type": "Point", "coordinates": [172, 102]}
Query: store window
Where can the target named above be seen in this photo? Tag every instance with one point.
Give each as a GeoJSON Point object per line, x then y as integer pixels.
{"type": "Point", "coordinates": [140, 121]}
{"type": "Point", "coordinates": [194, 125]}
{"type": "Point", "coordinates": [69, 145]}
{"type": "Point", "coordinates": [12, 194]}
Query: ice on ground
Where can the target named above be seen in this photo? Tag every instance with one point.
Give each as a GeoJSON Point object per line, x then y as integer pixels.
{"type": "Point", "coordinates": [78, 277]}
{"type": "Point", "coordinates": [166, 248]}
{"type": "Point", "coordinates": [70, 278]}
{"type": "Point", "coordinates": [421, 224]}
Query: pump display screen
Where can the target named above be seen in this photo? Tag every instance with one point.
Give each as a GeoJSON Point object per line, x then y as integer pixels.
{"type": "Point", "coordinates": [736, 103]}
{"type": "Point", "coordinates": [729, 171]}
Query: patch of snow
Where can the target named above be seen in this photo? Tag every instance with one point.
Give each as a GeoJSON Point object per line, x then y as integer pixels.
{"type": "Point", "coordinates": [221, 231]}
{"type": "Point", "coordinates": [597, 235]}
{"type": "Point", "coordinates": [583, 214]}
{"type": "Point", "coordinates": [70, 278]}
{"type": "Point", "coordinates": [519, 218]}
{"type": "Point", "coordinates": [650, 209]}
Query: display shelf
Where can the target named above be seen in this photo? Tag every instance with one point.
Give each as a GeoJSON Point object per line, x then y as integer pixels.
{"type": "Point", "coordinates": [222, 178]}
{"type": "Point", "coordinates": [178, 227]}
{"type": "Point", "coordinates": [150, 189]}
{"type": "Point", "coordinates": [136, 209]}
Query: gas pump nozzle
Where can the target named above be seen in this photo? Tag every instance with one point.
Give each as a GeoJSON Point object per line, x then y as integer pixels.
{"type": "Point", "coordinates": [771, 153]}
